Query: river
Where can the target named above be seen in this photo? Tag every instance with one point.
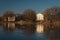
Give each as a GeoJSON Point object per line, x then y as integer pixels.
{"type": "Point", "coordinates": [12, 31]}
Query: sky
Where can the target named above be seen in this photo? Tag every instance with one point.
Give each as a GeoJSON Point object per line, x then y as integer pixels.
{"type": "Point", "coordinates": [19, 6]}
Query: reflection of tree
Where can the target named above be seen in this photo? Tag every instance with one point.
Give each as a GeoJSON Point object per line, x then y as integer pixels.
{"type": "Point", "coordinates": [28, 29]}
{"type": "Point", "coordinates": [52, 32]}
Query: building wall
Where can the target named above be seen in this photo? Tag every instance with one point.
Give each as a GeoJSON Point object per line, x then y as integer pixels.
{"type": "Point", "coordinates": [40, 16]}
{"type": "Point", "coordinates": [11, 18]}
{"type": "Point", "coordinates": [40, 28]}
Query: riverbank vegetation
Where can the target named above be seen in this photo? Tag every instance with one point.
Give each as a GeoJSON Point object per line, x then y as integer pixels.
{"type": "Point", "coordinates": [51, 16]}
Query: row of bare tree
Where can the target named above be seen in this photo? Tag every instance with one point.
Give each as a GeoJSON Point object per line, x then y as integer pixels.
{"type": "Point", "coordinates": [51, 14]}
{"type": "Point", "coordinates": [27, 15]}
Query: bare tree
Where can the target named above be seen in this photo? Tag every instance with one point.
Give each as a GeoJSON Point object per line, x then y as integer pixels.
{"type": "Point", "coordinates": [29, 15]}
{"type": "Point", "coordinates": [52, 14]}
{"type": "Point", "coordinates": [8, 13]}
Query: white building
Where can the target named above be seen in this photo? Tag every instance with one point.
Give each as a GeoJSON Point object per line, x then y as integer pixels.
{"type": "Point", "coordinates": [11, 18]}
{"type": "Point", "coordinates": [40, 16]}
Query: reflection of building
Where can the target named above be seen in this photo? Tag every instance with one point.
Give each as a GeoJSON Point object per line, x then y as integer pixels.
{"type": "Point", "coordinates": [40, 28]}
{"type": "Point", "coordinates": [40, 17]}
{"type": "Point", "coordinates": [9, 26]}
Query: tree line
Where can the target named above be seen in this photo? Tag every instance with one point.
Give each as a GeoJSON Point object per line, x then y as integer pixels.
{"type": "Point", "coordinates": [50, 14]}
{"type": "Point", "coordinates": [27, 15]}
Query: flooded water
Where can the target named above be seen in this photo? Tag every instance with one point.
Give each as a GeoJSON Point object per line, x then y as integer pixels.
{"type": "Point", "coordinates": [12, 31]}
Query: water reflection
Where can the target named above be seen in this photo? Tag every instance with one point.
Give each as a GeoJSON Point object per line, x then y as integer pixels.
{"type": "Point", "coordinates": [8, 26]}
{"type": "Point", "coordinates": [33, 32]}
{"type": "Point", "coordinates": [52, 32]}
{"type": "Point", "coordinates": [40, 28]}
{"type": "Point", "coordinates": [27, 29]}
